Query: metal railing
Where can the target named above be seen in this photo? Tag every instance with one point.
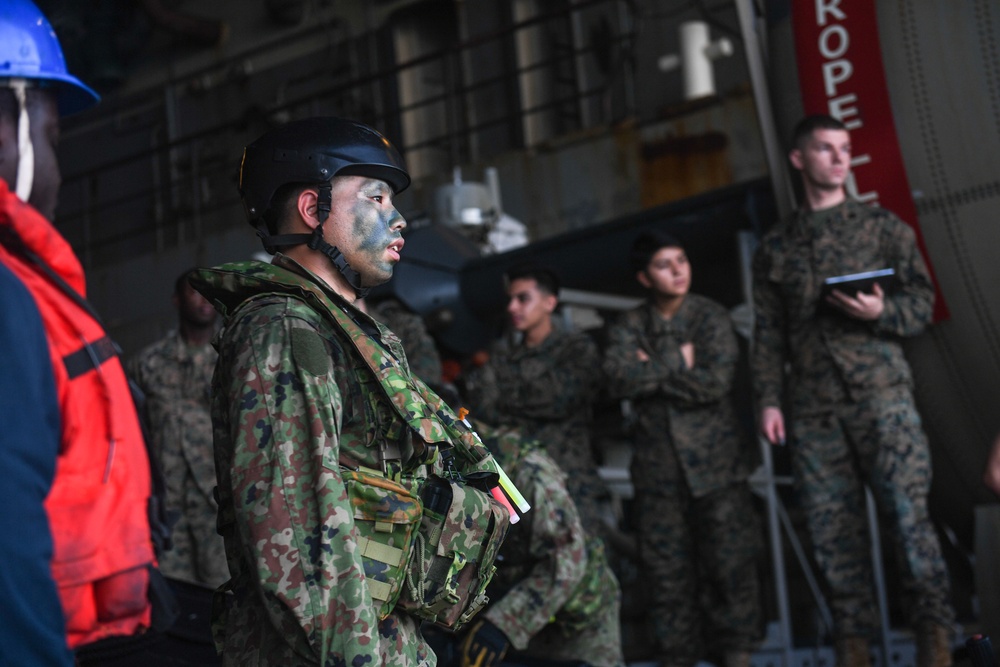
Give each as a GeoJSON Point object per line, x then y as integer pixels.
{"type": "Point", "coordinates": [158, 169]}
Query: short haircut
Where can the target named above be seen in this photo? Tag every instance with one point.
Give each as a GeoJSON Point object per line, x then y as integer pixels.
{"type": "Point", "coordinates": [282, 202]}
{"type": "Point", "coordinates": [646, 245]}
{"type": "Point", "coordinates": [546, 278]}
{"type": "Point", "coordinates": [805, 127]}
{"type": "Point", "coordinates": [182, 280]}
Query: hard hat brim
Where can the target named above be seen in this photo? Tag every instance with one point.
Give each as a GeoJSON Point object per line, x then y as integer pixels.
{"type": "Point", "coordinates": [72, 95]}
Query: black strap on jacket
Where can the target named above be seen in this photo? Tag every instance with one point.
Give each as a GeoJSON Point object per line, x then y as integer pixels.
{"type": "Point", "coordinates": [92, 355]}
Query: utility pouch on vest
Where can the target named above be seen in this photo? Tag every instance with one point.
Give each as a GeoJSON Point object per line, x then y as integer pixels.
{"type": "Point", "coordinates": [386, 515]}
{"type": "Point", "coordinates": [460, 533]}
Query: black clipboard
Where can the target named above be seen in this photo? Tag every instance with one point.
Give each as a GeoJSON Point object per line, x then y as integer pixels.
{"type": "Point", "coordinates": [865, 281]}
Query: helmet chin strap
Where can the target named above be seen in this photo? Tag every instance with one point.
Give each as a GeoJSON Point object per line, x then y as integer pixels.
{"type": "Point", "coordinates": [353, 278]}
{"type": "Point", "coordinates": [25, 149]}
{"type": "Point", "coordinates": [315, 241]}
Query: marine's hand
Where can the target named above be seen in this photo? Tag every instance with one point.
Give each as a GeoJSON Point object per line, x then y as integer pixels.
{"type": "Point", "coordinates": [641, 355]}
{"type": "Point", "coordinates": [772, 425]}
{"type": "Point", "coordinates": [861, 306]}
{"type": "Point", "coordinates": [687, 351]}
{"type": "Point", "coordinates": [484, 645]}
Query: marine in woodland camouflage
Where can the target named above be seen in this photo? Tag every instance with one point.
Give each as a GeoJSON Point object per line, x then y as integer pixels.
{"type": "Point", "coordinates": [554, 595]}
{"type": "Point", "coordinates": [681, 412]}
{"type": "Point", "coordinates": [833, 357]}
{"type": "Point", "coordinates": [851, 413]}
{"type": "Point", "coordinates": [176, 380]}
{"type": "Point", "coordinates": [699, 534]}
{"type": "Point", "coordinates": [546, 392]}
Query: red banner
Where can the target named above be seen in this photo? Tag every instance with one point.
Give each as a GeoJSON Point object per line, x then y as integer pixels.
{"type": "Point", "coordinates": [841, 74]}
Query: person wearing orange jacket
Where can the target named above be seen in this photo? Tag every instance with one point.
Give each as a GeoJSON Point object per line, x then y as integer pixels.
{"type": "Point", "coordinates": [103, 554]}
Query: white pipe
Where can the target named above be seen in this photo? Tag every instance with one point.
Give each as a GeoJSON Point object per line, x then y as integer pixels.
{"type": "Point", "coordinates": [697, 53]}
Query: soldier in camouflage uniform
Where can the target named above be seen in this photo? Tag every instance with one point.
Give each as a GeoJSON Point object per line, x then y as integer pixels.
{"type": "Point", "coordinates": [175, 374]}
{"type": "Point", "coordinates": [300, 406]}
{"type": "Point", "coordinates": [699, 535]}
{"type": "Point", "coordinates": [544, 386]}
{"type": "Point", "coordinates": [852, 419]}
{"type": "Point", "coordinates": [554, 596]}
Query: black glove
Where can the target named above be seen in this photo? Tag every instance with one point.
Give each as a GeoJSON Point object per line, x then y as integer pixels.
{"type": "Point", "coordinates": [484, 645]}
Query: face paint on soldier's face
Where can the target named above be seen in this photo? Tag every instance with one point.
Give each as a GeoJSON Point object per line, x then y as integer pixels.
{"type": "Point", "coordinates": [368, 228]}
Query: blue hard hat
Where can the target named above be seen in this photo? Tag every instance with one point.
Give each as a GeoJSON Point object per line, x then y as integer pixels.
{"type": "Point", "coordinates": [29, 49]}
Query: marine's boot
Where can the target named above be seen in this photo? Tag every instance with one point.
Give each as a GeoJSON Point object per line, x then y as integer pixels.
{"type": "Point", "coordinates": [933, 645]}
{"type": "Point", "coordinates": [852, 652]}
{"type": "Point", "coordinates": [737, 659]}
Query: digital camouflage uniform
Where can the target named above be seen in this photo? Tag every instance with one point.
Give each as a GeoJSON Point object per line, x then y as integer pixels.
{"type": "Point", "coordinates": [292, 400]}
{"type": "Point", "coordinates": [177, 380]}
{"type": "Point", "coordinates": [850, 408]}
{"type": "Point", "coordinates": [546, 392]}
{"type": "Point", "coordinates": [554, 595]}
{"type": "Point", "coordinates": [699, 535]}
{"type": "Point", "coordinates": [421, 353]}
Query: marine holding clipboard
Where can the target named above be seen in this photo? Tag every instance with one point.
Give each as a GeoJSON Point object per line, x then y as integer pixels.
{"type": "Point", "coordinates": [848, 395]}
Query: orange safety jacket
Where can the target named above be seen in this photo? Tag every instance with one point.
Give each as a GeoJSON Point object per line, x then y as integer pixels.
{"type": "Point", "coordinates": [98, 503]}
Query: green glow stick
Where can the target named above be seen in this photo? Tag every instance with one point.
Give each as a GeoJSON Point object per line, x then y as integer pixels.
{"type": "Point", "coordinates": [512, 491]}
{"type": "Point", "coordinates": [508, 486]}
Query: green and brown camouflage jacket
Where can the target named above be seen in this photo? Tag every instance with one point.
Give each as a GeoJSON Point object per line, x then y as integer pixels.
{"type": "Point", "coordinates": [291, 398]}
{"type": "Point", "coordinates": [421, 353]}
{"type": "Point", "coordinates": [687, 412]}
{"type": "Point", "coordinates": [831, 356]}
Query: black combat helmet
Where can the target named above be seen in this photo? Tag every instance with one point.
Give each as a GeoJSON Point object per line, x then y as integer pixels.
{"type": "Point", "coordinates": [311, 152]}
{"type": "Point", "coordinates": [314, 150]}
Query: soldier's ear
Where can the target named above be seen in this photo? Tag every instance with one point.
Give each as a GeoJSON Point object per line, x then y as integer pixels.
{"type": "Point", "coordinates": [643, 279]}
{"type": "Point", "coordinates": [795, 157]}
{"type": "Point", "coordinates": [307, 206]}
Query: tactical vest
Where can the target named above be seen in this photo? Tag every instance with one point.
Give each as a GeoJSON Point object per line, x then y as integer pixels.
{"type": "Point", "coordinates": [428, 543]}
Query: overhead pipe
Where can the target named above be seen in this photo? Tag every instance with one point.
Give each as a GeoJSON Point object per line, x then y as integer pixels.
{"type": "Point", "coordinates": [695, 59]}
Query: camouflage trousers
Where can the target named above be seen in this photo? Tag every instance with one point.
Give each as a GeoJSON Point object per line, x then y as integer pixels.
{"type": "Point", "coordinates": [878, 441]}
{"type": "Point", "coordinates": [698, 557]}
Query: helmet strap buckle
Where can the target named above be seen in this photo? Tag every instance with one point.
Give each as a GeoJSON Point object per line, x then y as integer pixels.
{"type": "Point", "coordinates": [353, 278]}
{"type": "Point", "coordinates": [324, 202]}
